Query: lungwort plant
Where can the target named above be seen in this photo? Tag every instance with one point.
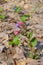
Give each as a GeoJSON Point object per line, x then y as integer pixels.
{"type": "Point", "coordinates": [33, 53]}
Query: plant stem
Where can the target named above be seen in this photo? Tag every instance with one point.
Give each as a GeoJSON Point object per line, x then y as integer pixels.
{"type": "Point", "coordinates": [32, 12]}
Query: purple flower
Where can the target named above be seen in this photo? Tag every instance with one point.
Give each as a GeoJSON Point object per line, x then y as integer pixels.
{"type": "Point", "coordinates": [17, 25]}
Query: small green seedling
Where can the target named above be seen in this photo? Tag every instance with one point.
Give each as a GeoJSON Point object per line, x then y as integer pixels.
{"type": "Point", "coordinates": [15, 41]}
{"type": "Point", "coordinates": [24, 18]}
{"type": "Point", "coordinates": [2, 16]}
{"type": "Point", "coordinates": [33, 42]}
{"type": "Point", "coordinates": [30, 35]}
{"type": "Point", "coordinates": [17, 9]}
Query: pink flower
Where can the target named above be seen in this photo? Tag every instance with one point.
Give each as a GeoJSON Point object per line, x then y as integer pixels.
{"type": "Point", "coordinates": [16, 32]}
{"type": "Point", "coordinates": [20, 23]}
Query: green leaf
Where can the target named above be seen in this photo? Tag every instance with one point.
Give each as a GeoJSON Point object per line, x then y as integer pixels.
{"type": "Point", "coordinates": [30, 35]}
{"type": "Point", "coordinates": [11, 43]}
{"type": "Point", "coordinates": [1, 9]}
{"type": "Point", "coordinates": [36, 56]}
{"type": "Point", "coordinates": [2, 16]}
{"type": "Point", "coordinates": [24, 18]}
{"type": "Point", "coordinates": [16, 40]}
{"type": "Point", "coordinates": [33, 42]}
{"type": "Point", "coordinates": [18, 9]}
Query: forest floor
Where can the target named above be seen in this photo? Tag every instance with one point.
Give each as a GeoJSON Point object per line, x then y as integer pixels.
{"type": "Point", "coordinates": [8, 25]}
